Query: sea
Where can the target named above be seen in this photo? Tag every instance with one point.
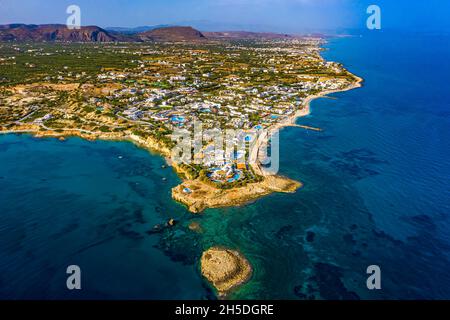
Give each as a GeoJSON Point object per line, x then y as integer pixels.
{"type": "Point", "coordinates": [376, 193]}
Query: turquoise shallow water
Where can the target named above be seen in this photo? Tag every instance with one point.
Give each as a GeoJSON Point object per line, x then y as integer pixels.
{"type": "Point", "coordinates": [89, 204]}
{"type": "Point", "coordinates": [376, 192]}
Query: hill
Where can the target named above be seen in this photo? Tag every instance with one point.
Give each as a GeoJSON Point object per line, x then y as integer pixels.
{"type": "Point", "coordinates": [53, 32]}
{"type": "Point", "coordinates": [60, 32]}
{"type": "Point", "coordinates": [172, 34]}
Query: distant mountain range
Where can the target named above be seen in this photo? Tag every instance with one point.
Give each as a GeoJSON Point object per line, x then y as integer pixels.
{"type": "Point", "coordinates": [53, 32]}
{"type": "Point", "coordinates": [164, 33]}
{"type": "Point", "coordinates": [136, 30]}
{"type": "Point", "coordinates": [246, 35]}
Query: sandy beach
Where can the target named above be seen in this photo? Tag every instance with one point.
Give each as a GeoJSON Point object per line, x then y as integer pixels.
{"type": "Point", "coordinates": [291, 120]}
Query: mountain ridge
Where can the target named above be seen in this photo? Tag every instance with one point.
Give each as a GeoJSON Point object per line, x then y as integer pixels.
{"type": "Point", "coordinates": [163, 33]}
{"type": "Point", "coordinates": [54, 32]}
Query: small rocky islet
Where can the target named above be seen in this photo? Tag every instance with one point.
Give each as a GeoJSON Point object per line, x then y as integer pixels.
{"type": "Point", "coordinates": [225, 269]}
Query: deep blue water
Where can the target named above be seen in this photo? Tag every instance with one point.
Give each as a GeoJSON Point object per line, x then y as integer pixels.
{"type": "Point", "coordinates": [376, 192]}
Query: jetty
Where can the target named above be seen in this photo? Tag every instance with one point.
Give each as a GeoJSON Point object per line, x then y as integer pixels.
{"type": "Point", "coordinates": [306, 127]}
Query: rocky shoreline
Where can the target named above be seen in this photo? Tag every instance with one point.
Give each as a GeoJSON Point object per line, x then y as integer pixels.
{"type": "Point", "coordinates": [225, 269]}
{"type": "Point", "coordinates": [204, 196]}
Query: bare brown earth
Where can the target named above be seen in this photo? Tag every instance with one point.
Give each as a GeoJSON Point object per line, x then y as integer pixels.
{"type": "Point", "coordinates": [205, 196]}
{"type": "Point", "coordinates": [225, 269]}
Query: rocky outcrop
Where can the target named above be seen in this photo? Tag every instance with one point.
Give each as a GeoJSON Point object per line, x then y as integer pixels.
{"type": "Point", "coordinates": [225, 269]}
{"type": "Point", "coordinates": [202, 195]}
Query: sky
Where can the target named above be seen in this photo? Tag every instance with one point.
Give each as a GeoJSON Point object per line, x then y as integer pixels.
{"type": "Point", "coordinates": [288, 16]}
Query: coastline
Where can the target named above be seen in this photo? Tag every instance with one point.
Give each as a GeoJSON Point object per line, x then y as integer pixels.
{"type": "Point", "coordinates": [225, 269]}
{"type": "Point", "coordinates": [306, 107]}
{"type": "Point", "coordinates": [304, 111]}
{"type": "Point", "coordinates": [204, 195]}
